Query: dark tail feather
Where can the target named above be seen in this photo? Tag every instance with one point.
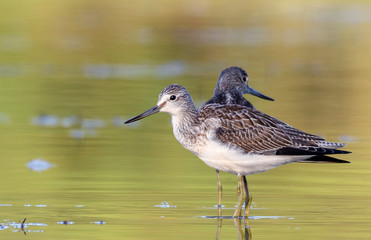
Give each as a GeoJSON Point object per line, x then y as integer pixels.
{"type": "Point", "coordinates": [323, 159]}
{"type": "Point", "coordinates": [309, 151]}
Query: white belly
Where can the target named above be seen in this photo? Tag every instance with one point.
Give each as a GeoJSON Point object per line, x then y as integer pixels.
{"type": "Point", "coordinates": [236, 162]}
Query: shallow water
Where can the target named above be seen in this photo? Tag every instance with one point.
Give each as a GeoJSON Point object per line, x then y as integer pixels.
{"type": "Point", "coordinates": [72, 72]}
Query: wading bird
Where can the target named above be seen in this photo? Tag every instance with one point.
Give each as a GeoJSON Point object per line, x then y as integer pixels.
{"type": "Point", "coordinates": [237, 139]}
{"type": "Point", "coordinates": [230, 88]}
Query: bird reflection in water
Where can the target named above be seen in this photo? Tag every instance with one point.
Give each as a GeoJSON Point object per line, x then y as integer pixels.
{"type": "Point", "coordinates": [243, 228]}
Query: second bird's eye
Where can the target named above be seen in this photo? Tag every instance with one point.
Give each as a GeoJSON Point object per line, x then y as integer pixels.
{"type": "Point", "coordinates": [172, 97]}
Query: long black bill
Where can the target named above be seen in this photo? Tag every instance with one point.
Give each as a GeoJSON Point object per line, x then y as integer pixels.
{"type": "Point", "coordinates": [258, 94]}
{"type": "Point", "coordinates": [151, 111]}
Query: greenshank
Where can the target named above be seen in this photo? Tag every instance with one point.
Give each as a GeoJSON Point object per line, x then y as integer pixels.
{"type": "Point", "coordinates": [237, 139]}
{"type": "Point", "coordinates": [231, 85]}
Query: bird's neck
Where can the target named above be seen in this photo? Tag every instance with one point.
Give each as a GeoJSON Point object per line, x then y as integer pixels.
{"type": "Point", "coordinates": [185, 127]}
{"type": "Point", "coordinates": [226, 97]}
{"type": "Point", "coordinates": [185, 118]}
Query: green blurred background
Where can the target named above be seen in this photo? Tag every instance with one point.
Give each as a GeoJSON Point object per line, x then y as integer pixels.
{"type": "Point", "coordinates": [72, 71]}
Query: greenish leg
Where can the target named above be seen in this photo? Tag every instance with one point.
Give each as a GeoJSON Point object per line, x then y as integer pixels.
{"type": "Point", "coordinates": [220, 190]}
{"type": "Point", "coordinates": [241, 196]}
{"type": "Point", "coordinates": [243, 232]}
{"type": "Point", "coordinates": [248, 199]}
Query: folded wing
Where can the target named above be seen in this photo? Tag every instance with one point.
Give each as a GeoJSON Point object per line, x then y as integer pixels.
{"type": "Point", "coordinates": [257, 133]}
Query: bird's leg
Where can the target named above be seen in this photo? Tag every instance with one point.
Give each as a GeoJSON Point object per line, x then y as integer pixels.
{"type": "Point", "coordinates": [242, 232]}
{"type": "Point", "coordinates": [218, 228]}
{"type": "Point", "coordinates": [220, 189]}
{"type": "Point", "coordinates": [241, 197]}
{"type": "Point", "coordinates": [238, 190]}
{"type": "Point", "coordinates": [237, 224]}
{"type": "Point", "coordinates": [248, 234]}
{"type": "Point", "coordinates": [248, 198]}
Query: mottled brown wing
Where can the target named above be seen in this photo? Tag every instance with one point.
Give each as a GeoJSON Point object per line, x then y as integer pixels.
{"type": "Point", "coordinates": [296, 135]}
{"type": "Point", "coordinates": [247, 129]}
{"type": "Point", "coordinates": [300, 138]}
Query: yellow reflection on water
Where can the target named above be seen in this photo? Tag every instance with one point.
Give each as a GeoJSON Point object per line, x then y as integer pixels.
{"type": "Point", "coordinates": [103, 62]}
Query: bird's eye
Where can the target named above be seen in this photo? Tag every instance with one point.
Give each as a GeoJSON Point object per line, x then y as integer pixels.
{"type": "Point", "coordinates": [244, 79]}
{"type": "Point", "coordinates": [172, 97]}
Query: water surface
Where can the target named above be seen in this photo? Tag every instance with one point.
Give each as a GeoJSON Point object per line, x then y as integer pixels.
{"type": "Point", "coordinates": [72, 72]}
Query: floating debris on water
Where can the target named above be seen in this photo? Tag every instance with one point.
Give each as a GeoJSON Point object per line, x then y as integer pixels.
{"type": "Point", "coordinates": [27, 205]}
{"type": "Point", "coordinates": [165, 205]}
{"type": "Point", "coordinates": [80, 206]}
{"type": "Point", "coordinates": [46, 120]}
{"type": "Point", "coordinates": [21, 225]}
{"type": "Point", "coordinates": [41, 205]}
{"type": "Point", "coordinates": [69, 121]}
{"type": "Point", "coordinates": [65, 222]}
{"type": "Point", "coordinates": [99, 222]}
{"type": "Point", "coordinates": [77, 134]}
{"type": "Point", "coordinates": [39, 165]}
{"type": "Point", "coordinates": [5, 205]}
{"type": "Point", "coordinates": [50, 120]}
{"type": "Point", "coordinates": [36, 224]}
{"type": "Point", "coordinates": [92, 123]}
{"type": "Point", "coordinates": [80, 128]}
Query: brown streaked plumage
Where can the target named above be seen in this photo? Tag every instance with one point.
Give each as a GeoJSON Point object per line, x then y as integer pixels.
{"type": "Point", "coordinates": [231, 85]}
{"type": "Point", "coordinates": [230, 88]}
{"type": "Point", "coordinates": [236, 139]}
{"type": "Point", "coordinates": [259, 133]}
